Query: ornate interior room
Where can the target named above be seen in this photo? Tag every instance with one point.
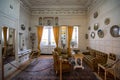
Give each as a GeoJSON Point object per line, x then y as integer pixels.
{"type": "Point", "coordinates": [59, 39]}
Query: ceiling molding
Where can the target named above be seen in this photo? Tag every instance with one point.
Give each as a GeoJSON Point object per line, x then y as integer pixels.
{"type": "Point", "coordinates": [60, 7]}
{"type": "Point", "coordinates": [59, 11]}
{"type": "Point", "coordinates": [58, 3]}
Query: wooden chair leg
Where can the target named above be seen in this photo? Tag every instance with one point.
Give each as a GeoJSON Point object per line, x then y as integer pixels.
{"type": "Point", "coordinates": [105, 74]}
{"type": "Point", "coordinates": [98, 70]}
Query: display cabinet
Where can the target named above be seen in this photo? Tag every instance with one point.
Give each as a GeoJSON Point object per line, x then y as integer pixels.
{"type": "Point", "coordinates": [63, 36]}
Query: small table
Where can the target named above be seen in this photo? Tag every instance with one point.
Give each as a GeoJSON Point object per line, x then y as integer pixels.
{"type": "Point", "coordinates": [76, 51]}
{"type": "Point", "coordinates": [76, 56]}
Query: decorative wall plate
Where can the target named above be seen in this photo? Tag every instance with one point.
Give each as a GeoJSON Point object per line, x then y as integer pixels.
{"type": "Point", "coordinates": [96, 26]}
{"type": "Point", "coordinates": [107, 21]}
{"type": "Point", "coordinates": [100, 33]}
{"type": "Point", "coordinates": [89, 28]}
{"type": "Point", "coordinates": [115, 31]}
{"type": "Point", "coordinates": [93, 35]}
{"type": "Point", "coordinates": [86, 36]}
{"type": "Point", "coordinates": [95, 15]}
{"type": "Point", "coordinates": [22, 26]}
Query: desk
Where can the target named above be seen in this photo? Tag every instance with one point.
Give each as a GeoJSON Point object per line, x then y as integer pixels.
{"type": "Point", "coordinates": [76, 51]}
{"type": "Point", "coordinates": [76, 56]}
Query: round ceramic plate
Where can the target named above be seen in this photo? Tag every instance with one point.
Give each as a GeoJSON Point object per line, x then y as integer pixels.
{"type": "Point", "coordinates": [22, 26]}
{"type": "Point", "coordinates": [115, 31]}
{"type": "Point", "coordinates": [100, 33]}
{"type": "Point", "coordinates": [95, 14]}
{"type": "Point", "coordinates": [107, 21]}
{"type": "Point", "coordinates": [96, 26]}
{"type": "Point", "coordinates": [89, 28]}
{"type": "Point", "coordinates": [93, 35]}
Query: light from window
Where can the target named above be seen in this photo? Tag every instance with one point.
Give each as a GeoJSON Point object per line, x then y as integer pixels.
{"type": "Point", "coordinates": [48, 36]}
{"type": "Point", "coordinates": [74, 41]}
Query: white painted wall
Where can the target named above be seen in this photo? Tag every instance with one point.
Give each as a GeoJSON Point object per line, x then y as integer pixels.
{"type": "Point", "coordinates": [108, 44]}
{"type": "Point", "coordinates": [5, 8]}
{"type": "Point", "coordinates": [0, 57]}
{"type": "Point", "coordinates": [9, 18]}
{"type": "Point", "coordinates": [66, 20]}
{"type": "Point", "coordinates": [13, 18]}
{"type": "Point", "coordinates": [25, 17]}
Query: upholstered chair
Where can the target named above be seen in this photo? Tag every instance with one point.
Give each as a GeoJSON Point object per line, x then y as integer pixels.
{"type": "Point", "coordinates": [66, 66]}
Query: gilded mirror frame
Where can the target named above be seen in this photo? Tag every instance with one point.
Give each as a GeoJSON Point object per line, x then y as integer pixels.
{"type": "Point", "coordinates": [8, 44]}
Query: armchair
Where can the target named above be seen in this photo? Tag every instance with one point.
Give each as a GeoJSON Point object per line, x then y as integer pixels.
{"type": "Point", "coordinates": [66, 66]}
{"type": "Point", "coordinates": [109, 66]}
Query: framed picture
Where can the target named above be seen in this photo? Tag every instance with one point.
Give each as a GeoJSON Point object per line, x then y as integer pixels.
{"type": "Point", "coordinates": [48, 21]}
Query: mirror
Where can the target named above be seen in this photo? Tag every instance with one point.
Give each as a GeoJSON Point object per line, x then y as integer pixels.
{"type": "Point", "coordinates": [8, 46]}
{"type": "Point", "coordinates": [115, 31]}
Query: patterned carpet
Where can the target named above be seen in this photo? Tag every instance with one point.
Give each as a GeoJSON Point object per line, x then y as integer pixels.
{"type": "Point", "coordinates": [43, 70]}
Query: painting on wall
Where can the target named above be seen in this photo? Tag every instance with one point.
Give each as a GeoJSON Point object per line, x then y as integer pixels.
{"type": "Point", "coordinates": [48, 21]}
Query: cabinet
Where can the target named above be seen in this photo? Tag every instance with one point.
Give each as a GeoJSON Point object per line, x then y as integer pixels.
{"type": "Point", "coordinates": [24, 55]}
{"type": "Point", "coordinates": [63, 36]}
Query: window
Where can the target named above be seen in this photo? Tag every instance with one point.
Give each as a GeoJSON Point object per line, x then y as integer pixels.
{"type": "Point", "coordinates": [48, 36]}
{"type": "Point", "coordinates": [74, 41]}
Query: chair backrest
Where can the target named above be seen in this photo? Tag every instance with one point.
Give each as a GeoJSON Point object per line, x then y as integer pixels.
{"type": "Point", "coordinates": [117, 69]}
{"type": "Point", "coordinates": [111, 58]}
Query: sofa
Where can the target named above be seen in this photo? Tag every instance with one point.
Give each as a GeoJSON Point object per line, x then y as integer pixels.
{"type": "Point", "coordinates": [93, 57]}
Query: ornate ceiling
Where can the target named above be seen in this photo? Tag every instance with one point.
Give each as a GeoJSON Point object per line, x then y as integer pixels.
{"type": "Point", "coordinates": [59, 6]}
{"type": "Point", "coordinates": [60, 3]}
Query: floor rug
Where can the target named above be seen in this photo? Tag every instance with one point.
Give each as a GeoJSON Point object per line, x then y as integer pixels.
{"type": "Point", "coordinates": [43, 69]}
